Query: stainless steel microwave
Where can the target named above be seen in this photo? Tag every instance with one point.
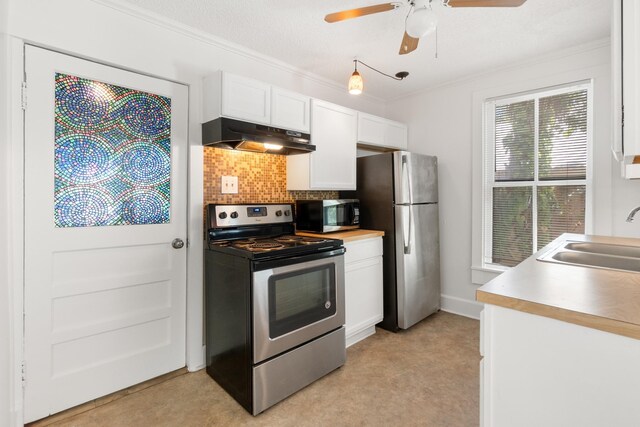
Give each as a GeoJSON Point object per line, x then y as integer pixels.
{"type": "Point", "coordinates": [324, 216]}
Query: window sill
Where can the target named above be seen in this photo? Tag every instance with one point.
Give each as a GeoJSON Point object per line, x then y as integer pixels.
{"type": "Point", "coordinates": [481, 275]}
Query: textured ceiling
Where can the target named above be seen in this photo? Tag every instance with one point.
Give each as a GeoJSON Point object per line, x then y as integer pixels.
{"type": "Point", "coordinates": [470, 40]}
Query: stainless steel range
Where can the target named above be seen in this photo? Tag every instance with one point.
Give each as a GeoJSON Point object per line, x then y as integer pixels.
{"type": "Point", "coordinates": [274, 304]}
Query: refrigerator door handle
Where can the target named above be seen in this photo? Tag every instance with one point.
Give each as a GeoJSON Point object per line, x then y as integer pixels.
{"type": "Point", "coordinates": [406, 229]}
{"type": "Point", "coordinates": [407, 191]}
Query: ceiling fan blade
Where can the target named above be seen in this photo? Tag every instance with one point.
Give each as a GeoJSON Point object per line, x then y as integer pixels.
{"type": "Point", "coordinates": [362, 11]}
{"type": "Point", "coordinates": [409, 44]}
{"type": "Point", "coordinates": [484, 3]}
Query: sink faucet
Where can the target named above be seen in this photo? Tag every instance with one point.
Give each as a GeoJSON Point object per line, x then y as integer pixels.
{"type": "Point", "coordinates": [632, 214]}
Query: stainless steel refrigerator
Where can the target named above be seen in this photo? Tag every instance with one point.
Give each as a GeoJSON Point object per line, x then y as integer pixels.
{"type": "Point", "coordinates": [398, 194]}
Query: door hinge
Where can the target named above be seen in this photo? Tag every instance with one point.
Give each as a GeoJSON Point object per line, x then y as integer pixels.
{"type": "Point", "coordinates": [622, 116]}
{"type": "Point", "coordinates": [23, 373]}
{"type": "Point", "coordinates": [24, 95]}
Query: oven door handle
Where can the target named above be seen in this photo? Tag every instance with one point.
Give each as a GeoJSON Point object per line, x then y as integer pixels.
{"type": "Point", "coordinates": [282, 262]}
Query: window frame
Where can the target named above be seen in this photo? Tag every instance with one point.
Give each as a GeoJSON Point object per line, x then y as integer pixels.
{"type": "Point", "coordinates": [488, 164]}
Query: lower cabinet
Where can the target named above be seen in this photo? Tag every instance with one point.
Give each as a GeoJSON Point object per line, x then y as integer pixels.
{"type": "Point", "coordinates": [538, 371]}
{"type": "Point", "coordinates": [363, 288]}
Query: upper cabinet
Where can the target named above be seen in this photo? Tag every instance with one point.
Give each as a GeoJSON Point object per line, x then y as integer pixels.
{"type": "Point", "coordinates": [333, 165]}
{"type": "Point", "coordinates": [290, 110]}
{"type": "Point", "coordinates": [626, 85]}
{"type": "Point", "coordinates": [253, 101]}
{"type": "Point", "coordinates": [380, 132]}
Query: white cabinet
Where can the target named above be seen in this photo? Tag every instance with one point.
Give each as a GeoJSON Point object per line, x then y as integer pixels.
{"type": "Point", "coordinates": [626, 85]}
{"type": "Point", "coordinates": [333, 165]}
{"type": "Point", "coordinates": [395, 135]}
{"type": "Point", "coordinates": [290, 110]}
{"type": "Point", "coordinates": [250, 100]}
{"type": "Point", "coordinates": [539, 371]}
{"type": "Point", "coordinates": [371, 129]}
{"type": "Point", "coordinates": [380, 132]}
{"type": "Point", "coordinates": [363, 288]}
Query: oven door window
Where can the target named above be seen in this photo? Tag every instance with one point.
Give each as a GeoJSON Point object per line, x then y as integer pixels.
{"type": "Point", "coordinates": [300, 298]}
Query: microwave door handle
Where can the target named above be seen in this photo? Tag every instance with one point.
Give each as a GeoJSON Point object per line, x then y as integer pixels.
{"type": "Point", "coordinates": [352, 214]}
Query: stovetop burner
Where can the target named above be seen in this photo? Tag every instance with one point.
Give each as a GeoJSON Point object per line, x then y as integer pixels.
{"type": "Point", "coordinates": [243, 243]}
{"type": "Point", "coordinates": [260, 232]}
{"type": "Point", "coordinates": [264, 246]}
{"type": "Point", "coordinates": [288, 239]}
{"type": "Point", "coordinates": [301, 239]}
{"type": "Point", "coordinates": [254, 247]}
{"type": "Point", "coordinates": [313, 240]}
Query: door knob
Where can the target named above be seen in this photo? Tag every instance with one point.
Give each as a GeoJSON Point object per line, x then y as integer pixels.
{"type": "Point", "coordinates": [177, 243]}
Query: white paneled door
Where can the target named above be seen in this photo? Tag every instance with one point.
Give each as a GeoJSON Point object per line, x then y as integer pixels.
{"type": "Point", "coordinates": [105, 215]}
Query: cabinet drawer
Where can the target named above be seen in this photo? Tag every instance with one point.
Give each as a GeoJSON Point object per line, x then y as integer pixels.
{"type": "Point", "coordinates": [362, 249]}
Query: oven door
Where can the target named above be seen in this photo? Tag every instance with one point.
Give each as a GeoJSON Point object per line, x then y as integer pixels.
{"type": "Point", "coordinates": [296, 301]}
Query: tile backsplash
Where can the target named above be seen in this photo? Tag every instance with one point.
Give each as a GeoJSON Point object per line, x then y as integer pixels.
{"type": "Point", "coordinates": [262, 178]}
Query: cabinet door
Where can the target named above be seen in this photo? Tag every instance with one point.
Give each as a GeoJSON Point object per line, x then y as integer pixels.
{"type": "Point", "coordinates": [371, 129]}
{"type": "Point", "coordinates": [290, 110]}
{"type": "Point", "coordinates": [625, 60]}
{"type": "Point", "coordinates": [631, 78]}
{"type": "Point", "coordinates": [246, 99]}
{"type": "Point", "coordinates": [333, 131]}
{"type": "Point", "coordinates": [363, 295]}
{"type": "Point", "coordinates": [395, 135]}
{"type": "Point", "coordinates": [363, 287]}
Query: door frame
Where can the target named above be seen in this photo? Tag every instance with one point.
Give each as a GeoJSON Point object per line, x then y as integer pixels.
{"type": "Point", "coordinates": [195, 348]}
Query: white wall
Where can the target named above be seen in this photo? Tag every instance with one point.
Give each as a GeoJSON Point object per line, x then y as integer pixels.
{"type": "Point", "coordinates": [112, 33]}
{"type": "Point", "coordinates": [444, 122]}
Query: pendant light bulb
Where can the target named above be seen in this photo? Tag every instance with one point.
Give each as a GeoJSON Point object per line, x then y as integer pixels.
{"type": "Point", "coordinates": [421, 22]}
{"type": "Point", "coordinates": [356, 84]}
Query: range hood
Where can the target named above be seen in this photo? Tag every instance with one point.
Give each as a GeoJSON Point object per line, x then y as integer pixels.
{"type": "Point", "coordinates": [238, 135]}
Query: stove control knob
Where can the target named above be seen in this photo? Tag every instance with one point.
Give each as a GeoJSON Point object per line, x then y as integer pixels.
{"type": "Point", "coordinates": [278, 213]}
{"type": "Point", "coordinates": [222, 215]}
{"type": "Point", "coordinates": [234, 215]}
{"type": "Point", "coordinates": [287, 213]}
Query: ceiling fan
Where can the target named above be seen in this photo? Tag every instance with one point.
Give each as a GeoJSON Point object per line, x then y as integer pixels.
{"type": "Point", "coordinates": [421, 20]}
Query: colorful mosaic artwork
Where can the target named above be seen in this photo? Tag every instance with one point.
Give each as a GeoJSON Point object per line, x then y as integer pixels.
{"type": "Point", "coordinates": [112, 155]}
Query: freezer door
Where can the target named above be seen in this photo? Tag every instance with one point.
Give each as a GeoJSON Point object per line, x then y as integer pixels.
{"type": "Point", "coordinates": [417, 262]}
{"type": "Point", "coordinates": [415, 178]}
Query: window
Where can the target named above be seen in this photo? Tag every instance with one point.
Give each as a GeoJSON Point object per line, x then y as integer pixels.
{"type": "Point", "coordinates": [536, 171]}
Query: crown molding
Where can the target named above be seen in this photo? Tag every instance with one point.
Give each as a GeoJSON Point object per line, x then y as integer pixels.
{"type": "Point", "coordinates": [224, 44]}
{"type": "Point", "coordinates": [558, 54]}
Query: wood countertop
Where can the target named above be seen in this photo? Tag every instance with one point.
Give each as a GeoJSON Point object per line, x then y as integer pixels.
{"type": "Point", "coordinates": [346, 236]}
{"type": "Point", "coordinates": [608, 300]}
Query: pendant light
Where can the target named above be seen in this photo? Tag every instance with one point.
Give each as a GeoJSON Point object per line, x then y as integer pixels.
{"type": "Point", "coordinates": [356, 83]}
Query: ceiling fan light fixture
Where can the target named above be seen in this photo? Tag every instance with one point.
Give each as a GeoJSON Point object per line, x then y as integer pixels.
{"type": "Point", "coordinates": [421, 22]}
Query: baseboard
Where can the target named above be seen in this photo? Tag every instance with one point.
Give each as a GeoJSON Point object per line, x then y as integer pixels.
{"type": "Point", "coordinates": [359, 336]}
{"type": "Point", "coordinates": [461, 306]}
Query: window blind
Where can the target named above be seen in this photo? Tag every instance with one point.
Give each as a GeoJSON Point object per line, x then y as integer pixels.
{"type": "Point", "coordinates": [537, 188]}
{"type": "Point", "coordinates": [562, 146]}
{"type": "Point", "coordinates": [514, 141]}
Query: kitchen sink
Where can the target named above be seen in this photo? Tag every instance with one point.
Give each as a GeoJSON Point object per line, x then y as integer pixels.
{"type": "Point", "coordinates": [596, 255]}
{"type": "Point", "coordinates": [604, 249]}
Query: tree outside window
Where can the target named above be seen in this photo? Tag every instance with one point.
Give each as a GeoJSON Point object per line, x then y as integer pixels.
{"type": "Point", "coordinates": [536, 171]}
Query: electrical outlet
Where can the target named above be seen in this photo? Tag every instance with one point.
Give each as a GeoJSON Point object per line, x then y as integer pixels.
{"type": "Point", "coordinates": [229, 185]}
